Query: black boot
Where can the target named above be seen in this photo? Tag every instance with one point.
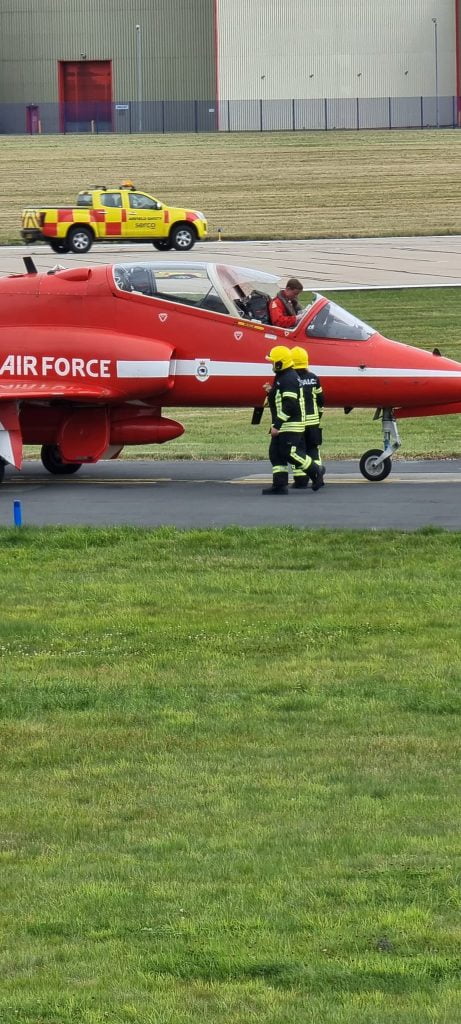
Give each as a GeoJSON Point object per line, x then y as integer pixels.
{"type": "Point", "coordinates": [279, 484]}
{"type": "Point", "coordinates": [300, 483]}
{"type": "Point", "coordinates": [317, 474]}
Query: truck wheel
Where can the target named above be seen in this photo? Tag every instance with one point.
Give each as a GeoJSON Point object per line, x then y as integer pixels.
{"type": "Point", "coordinates": [59, 245]}
{"type": "Point", "coordinates": [183, 237]}
{"type": "Point", "coordinates": [52, 461]}
{"type": "Point", "coordinates": [163, 244]}
{"type": "Point", "coordinates": [80, 239]}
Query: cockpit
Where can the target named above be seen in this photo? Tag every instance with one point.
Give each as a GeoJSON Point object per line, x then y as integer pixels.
{"type": "Point", "coordinates": [211, 286]}
{"type": "Point", "coordinates": [233, 291]}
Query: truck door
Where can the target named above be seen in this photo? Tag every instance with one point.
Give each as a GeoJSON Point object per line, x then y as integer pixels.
{"type": "Point", "coordinates": [111, 226]}
{"type": "Point", "coordinates": [144, 217]}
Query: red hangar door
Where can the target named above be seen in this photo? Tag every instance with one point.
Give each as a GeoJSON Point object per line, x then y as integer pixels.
{"type": "Point", "coordinates": [85, 95]}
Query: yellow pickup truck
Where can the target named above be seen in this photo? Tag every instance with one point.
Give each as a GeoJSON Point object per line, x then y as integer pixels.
{"type": "Point", "coordinates": [110, 214]}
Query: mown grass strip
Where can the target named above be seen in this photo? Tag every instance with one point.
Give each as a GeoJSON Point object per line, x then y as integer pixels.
{"type": "Point", "coordinates": [230, 776]}
{"type": "Point", "coordinates": [253, 185]}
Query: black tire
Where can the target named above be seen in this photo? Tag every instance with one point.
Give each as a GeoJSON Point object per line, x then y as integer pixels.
{"type": "Point", "coordinates": [59, 245]}
{"type": "Point", "coordinates": [367, 469]}
{"type": "Point", "coordinates": [52, 461]}
{"type": "Point", "coordinates": [80, 239]}
{"type": "Point", "coordinates": [2, 469]}
{"type": "Point", "coordinates": [183, 237]}
{"type": "Point", "coordinates": [163, 244]}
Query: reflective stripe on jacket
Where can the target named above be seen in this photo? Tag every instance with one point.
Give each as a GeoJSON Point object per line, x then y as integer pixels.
{"type": "Point", "coordinates": [311, 389]}
{"type": "Point", "coordinates": [286, 402]}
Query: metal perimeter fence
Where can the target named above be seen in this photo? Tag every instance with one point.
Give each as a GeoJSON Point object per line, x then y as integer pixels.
{"type": "Point", "coordinates": [263, 115]}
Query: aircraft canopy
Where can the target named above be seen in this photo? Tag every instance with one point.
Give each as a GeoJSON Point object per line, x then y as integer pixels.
{"type": "Point", "coordinates": [213, 286]}
{"type": "Point", "coordinates": [221, 287]}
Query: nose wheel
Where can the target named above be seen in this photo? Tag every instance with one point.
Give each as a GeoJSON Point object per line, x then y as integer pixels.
{"type": "Point", "coordinates": [372, 465]}
{"type": "Point", "coordinates": [376, 464]}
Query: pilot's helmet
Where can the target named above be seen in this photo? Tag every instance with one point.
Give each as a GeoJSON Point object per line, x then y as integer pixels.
{"type": "Point", "coordinates": [141, 280]}
{"type": "Point", "coordinates": [300, 358]}
{"type": "Point", "coordinates": [280, 357]}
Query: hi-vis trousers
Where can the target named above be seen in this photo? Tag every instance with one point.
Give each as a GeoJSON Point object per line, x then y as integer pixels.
{"type": "Point", "coordinates": [287, 450]}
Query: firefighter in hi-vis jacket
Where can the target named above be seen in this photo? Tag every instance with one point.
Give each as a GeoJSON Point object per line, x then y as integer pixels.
{"type": "Point", "coordinates": [284, 310]}
{"type": "Point", "coordinates": [286, 403]}
{"type": "Point", "coordinates": [313, 410]}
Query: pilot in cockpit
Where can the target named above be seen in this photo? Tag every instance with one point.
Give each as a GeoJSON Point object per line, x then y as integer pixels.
{"type": "Point", "coordinates": [285, 310]}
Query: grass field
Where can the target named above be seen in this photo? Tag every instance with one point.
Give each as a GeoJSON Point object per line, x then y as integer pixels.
{"type": "Point", "coordinates": [230, 777]}
{"type": "Point", "coordinates": [230, 760]}
{"type": "Point", "coordinates": [253, 185]}
{"type": "Point", "coordinates": [424, 317]}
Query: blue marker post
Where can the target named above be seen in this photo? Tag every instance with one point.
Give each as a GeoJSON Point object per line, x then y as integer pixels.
{"type": "Point", "coordinates": [17, 513]}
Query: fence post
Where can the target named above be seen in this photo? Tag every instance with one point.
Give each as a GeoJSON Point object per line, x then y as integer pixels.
{"type": "Point", "coordinates": [293, 115]}
{"type": "Point", "coordinates": [260, 115]}
{"type": "Point", "coordinates": [358, 113]}
{"type": "Point", "coordinates": [390, 112]}
{"type": "Point", "coordinates": [325, 104]}
{"type": "Point", "coordinates": [228, 116]}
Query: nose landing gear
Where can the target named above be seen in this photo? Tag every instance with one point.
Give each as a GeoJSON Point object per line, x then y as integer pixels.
{"type": "Point", "coordinates": [376, 464]}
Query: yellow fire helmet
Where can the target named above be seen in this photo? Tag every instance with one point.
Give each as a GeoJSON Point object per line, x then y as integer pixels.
{"type": "Point", "coordinates": [300, 358]}
{"type": "Point", "coordinates": [280, 357]}
{"type": "Point", "coordinates": [127, 184]}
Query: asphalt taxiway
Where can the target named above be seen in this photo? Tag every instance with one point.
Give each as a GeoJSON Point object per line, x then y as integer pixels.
{"type": "Point", "coordinates": [215, 494]}
{"type": "Point", "coordinates": [323, 264]}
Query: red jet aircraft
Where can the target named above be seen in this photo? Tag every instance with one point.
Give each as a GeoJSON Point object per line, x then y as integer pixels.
{"type": "Point", "coordinates": [89, 357]}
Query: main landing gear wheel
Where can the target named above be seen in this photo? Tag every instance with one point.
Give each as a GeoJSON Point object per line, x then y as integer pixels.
{"type": "Point", "coordinates": [372, 470]}
{"type": "Point", "coordinates": [163, 244]}
{"type": "Point", "coordinates": [52, 461]}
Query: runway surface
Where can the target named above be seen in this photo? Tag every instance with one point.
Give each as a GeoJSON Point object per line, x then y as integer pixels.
{"type": "Point", "coordinates": [215, 494]}
{"type": "Point", "coordinates": [322, 264]}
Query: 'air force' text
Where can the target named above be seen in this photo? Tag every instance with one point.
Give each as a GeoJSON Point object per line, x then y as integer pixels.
{"type": "Point", "coordinates": [50, 366]}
